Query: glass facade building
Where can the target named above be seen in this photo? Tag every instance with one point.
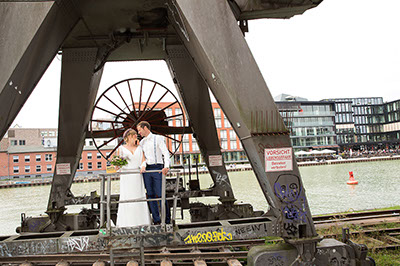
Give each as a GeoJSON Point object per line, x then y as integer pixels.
{"type": "Point", "coordinates": [368, 124]}
{"type": "Point", "coordinates": [312, 124]}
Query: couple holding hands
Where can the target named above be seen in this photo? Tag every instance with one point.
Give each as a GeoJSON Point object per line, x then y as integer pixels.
{"type": "Point", "coordinates": [151, 153]}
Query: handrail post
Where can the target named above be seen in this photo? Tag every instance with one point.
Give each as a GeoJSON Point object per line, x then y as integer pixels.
{"type": "Point", "coordinates": [102, 191]}
{"type": "Point", "coordinates": [178, 176]}
{"type": "Point", "coordinates": [109, 204]}
{"type": "Point", "coordinates": [163, 211]}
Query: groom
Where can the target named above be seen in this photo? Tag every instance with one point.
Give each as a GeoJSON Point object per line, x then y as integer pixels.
{"type": "Point", "coordinates": [156, 158]}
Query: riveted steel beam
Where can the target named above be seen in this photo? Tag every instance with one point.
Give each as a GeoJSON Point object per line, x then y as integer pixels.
{"type": "Point", "coordinates": [79, 85]}
{"type": "Point", "coordinates": [194, 94]}
{"type": "Point", "coordinates": [30, 37]}
{"type": "Point", "coordinates": [224, 60]}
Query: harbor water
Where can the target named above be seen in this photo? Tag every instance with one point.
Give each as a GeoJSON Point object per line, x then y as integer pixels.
{"type": "Point", "coordinates": [325, 186]}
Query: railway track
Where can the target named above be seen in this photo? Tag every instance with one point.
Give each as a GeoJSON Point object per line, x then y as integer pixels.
{"type": "Point", "coordinates": [217, 253]}
{"type": "Point", "coordinates": [231, 253]}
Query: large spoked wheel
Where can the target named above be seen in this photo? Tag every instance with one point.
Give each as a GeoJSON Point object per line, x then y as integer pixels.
{"type": "Point", "coordinates": [125, 104]}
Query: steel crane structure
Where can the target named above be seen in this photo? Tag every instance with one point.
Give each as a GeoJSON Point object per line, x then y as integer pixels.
{"type": "Point", "coordinates": [204, 47]}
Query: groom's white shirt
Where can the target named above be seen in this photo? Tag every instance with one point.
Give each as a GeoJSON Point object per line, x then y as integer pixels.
{"type": "Point", "coordinates": [161, 150]}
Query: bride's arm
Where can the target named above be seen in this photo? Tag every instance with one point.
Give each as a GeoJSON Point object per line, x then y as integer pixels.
{"type": "Point", "coordinates": [143, 164]}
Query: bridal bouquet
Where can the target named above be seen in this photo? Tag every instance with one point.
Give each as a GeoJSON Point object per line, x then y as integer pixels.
{"type": "Point", "coordinates": [118, 161]}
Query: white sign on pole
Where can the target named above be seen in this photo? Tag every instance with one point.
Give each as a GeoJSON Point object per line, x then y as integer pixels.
{"type": "Point", "coordinates": [63, 168]}
{"type": "Point", "coordinates": [279, 159]}
{"type": "Point", "coordinates": [215, 160]}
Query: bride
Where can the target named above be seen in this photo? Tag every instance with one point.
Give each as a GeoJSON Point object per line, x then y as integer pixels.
{"type": "Point", "coordinates": [131, 185]}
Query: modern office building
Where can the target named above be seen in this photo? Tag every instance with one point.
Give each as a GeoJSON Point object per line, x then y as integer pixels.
{"type": "Point", "coordinates": [391, 128]}
{"type": "Point", "coordinates": [366, 122]}
{"type": "Point", "coordinates": [357, 123]}
{"type": "Point", "coordinates": [312, 124]}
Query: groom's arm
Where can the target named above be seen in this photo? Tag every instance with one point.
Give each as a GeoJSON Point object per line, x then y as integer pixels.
{"type": "Point", "coordinates": [165, 153]}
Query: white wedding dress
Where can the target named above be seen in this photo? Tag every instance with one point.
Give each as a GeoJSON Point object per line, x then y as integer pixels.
{"type": "Point", "coordinates": [132, 187]}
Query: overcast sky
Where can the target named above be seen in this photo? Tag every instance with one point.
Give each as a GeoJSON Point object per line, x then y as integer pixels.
{"type": "Point", "coordinates": [339, 49]}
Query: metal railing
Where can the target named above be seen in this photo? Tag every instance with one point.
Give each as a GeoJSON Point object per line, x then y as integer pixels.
{"type": "Point", "coordinates": [105, 202]}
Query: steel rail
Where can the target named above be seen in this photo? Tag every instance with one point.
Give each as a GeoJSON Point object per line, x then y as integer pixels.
{"type": "Point", "coordinates": [368, 215]}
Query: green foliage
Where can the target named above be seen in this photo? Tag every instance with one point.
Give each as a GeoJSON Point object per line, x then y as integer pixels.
{"type": "Point", "coordinates": [386, 258]}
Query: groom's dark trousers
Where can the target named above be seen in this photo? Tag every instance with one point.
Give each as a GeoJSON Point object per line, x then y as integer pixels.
{"type": "Point", "coordinates": [153, 184]}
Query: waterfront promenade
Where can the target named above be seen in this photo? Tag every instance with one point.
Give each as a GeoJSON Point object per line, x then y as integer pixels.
{"type": "Point", "coordinates": [202, 170]}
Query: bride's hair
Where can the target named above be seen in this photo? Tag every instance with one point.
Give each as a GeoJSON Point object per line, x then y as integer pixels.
{"type": "Point", "coordinates": [129, 132]}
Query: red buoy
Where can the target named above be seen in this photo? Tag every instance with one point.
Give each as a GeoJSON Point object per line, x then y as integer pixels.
{"type": "Point", "coordinates": [352, 181]}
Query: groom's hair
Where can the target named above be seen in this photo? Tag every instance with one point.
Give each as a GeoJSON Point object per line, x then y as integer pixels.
{"type": "Point", "coordinates": [144, 124]}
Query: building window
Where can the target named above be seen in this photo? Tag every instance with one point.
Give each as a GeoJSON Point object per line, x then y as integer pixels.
{"type": "Point", "coordinates": [223, 134]}
{"type": "Point", "coordinates": [89, 156]}
{"type": "Point", "coordinates": [38, 157]}
{"type": "Point", "coordinates": [14, 142]}
{"type": "Point", "coordinates": [16, 169]}
{"type": "Point", "coordinates": [48, 157]}
{"type": "Point", "coordinates": [168, 113]}
{"type": "Point", "coordinates": [22, 142]}
{"type": "Point", "coordinates": [38, 168]}
{"type": "Point", "coordinates": [98, 165]}
{"type": "Point", "coordinates": [217, 112]}
{"type": "Point", "coordinates": [195, 146]}
{"type": "Point", "coordinates": [226, 123]}
{"type": "Point", "coordinates": [98, 156]}
{"type": "Point", "coordinates": [48, 167]}
{"type": "Point", "coordinates": [232, 135]}
{"type": "Point", "coordinates": [89, 165]}
{"type": "Point", "coordinates": [27, 158]}
{"type": "Point", "coordinates": [233, 145]}
{"type": "Point", "coordinates": [80, 166]}
{"type": "Point", "coordinates": [186, 147]}
{"type": "Point", "coordinates": [218, 123]}
{"type": "Point", "coordinates": [224, 144]}
{"type": "Point", "coordinates": [15, 158]}
{"type": "Point", "coordinates": [27, 168]}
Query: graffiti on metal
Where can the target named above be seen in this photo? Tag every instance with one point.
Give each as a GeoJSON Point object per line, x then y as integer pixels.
{"type": "Point", "coordinates": [140, 230]}
{"type": "Point", "coordinates": [276, 260]}
{"type": "Point", "coordinates": [79, 244]}
{"type": "Point", "coordinates": [19, 248]}
{"type": "Point", "coordinates": [221, 179]}
{"type": "Point", "coordinates": [213, 236]}
{"type": "Point", "coordinates": [251, 229]}
{"type": "Point", "coordinates": [288, 190]}
{"type": "Point", "coordinates": [147, 240]}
